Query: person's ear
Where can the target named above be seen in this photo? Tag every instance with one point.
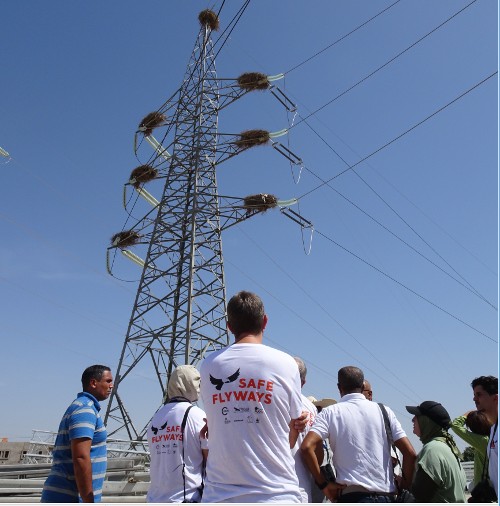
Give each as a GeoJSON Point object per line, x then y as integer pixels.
{"type": "Point", "coordinates": [264, 322]}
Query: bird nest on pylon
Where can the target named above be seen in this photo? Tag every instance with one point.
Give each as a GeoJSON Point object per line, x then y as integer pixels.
{"type": "Point", "coordinates": [251, 138]}
{"type": "Point", "coordinates": [209, 18]}
{"type": "Point", "coordinates": [125, 239]}
{"type": "Point", "coordinates": [142, 174]}
{"type": "Point", "coordinates": [253, 81]}
{"type": "Point", "coordinates": [260, 202]}
{"type": "Point", "coordinates": [151, 121]}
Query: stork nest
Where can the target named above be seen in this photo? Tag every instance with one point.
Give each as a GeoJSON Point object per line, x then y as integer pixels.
{"type": "Point", "coordinates": [209, 18]}
{"type": "Point", "coordinates": [253, 81]}
{"type": "Point", "coordinates": [251, 138]}
{"type": "Point", "coordinates": [142, 174]}
{"type": "Point", "coordinates": [260, 202]}
{"type": "Point", "coordinates": [125, 239]}
{"type": "Point", "coordinates": [151, 121]}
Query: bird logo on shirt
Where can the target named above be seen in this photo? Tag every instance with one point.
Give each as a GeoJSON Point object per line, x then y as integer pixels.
{"type": "Point", "coordinates": [219, 382]}
{"type": "Point", "coordinates": [155, 430]}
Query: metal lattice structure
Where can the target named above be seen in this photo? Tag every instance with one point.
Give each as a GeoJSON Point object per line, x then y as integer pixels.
{"type": "Point", "coordinates": [180, 307]}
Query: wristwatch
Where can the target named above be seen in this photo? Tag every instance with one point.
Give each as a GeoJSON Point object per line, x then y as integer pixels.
{"type": "Point", "coordinates": [322, 485]}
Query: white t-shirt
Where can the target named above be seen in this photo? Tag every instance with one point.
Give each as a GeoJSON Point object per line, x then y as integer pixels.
{"type": "Point", "coordinates": [165, 446]}
{"type": "Point", "coordinates": [305, 478]}
{"type": "Point", "coordinates": [493, 457]}
{"type": "Point", "coordinates": [250, 393]}
{"type": "Point", "coordinates": [360, 451]}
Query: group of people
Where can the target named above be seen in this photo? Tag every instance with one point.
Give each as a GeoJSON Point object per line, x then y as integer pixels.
{"type": "Point", "coordinates": [259, 439]}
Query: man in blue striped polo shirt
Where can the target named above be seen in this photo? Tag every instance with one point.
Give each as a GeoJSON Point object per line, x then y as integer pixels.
{"type": "Point", "coordinates": [79, 454]}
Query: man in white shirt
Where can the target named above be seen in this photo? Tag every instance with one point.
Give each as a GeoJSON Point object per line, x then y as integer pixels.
{"type": "Point", "coordinates": [251, 394]}
{"type": "Point", "coordinates": [486, 399]}
{"type": "Point", "coordinates": [361, 453]}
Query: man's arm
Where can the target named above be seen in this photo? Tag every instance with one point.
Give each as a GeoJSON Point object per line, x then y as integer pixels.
{"type": "Point", "coordinates": [80, 453]}
{"type": "Point", "coordinates": [308, 451]}
{"type": "Point", "coordinates": [205, 456]}
{"type": "Point", "coordinates": [297, 425]}
{"type": "Point", "coordinates": [409, 459]}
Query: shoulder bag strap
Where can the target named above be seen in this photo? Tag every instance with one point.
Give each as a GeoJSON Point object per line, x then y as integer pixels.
{"type": "Point", "coordinates": [183, 426]}
{"type": "Point", "coordinates": [390, 440]}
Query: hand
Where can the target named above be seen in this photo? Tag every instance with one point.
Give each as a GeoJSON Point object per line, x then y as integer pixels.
{"type": "Point", "coordinates": [332, 490]}
{"type": "Point", "coordinates": [204, 430]}
{"type": "Point", "coordinates": [300, 423]}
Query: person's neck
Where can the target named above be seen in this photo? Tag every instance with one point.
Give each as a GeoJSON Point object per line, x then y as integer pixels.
{"type": "Point", "coordinates": [493, 415]}
{"type": "Point", "coordinates": [249, 338]}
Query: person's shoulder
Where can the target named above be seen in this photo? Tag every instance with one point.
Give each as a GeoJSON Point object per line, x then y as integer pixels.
{"type": "Point", "coordinates": [281, 355]}
{"type": "Point", "coordinates": [198, 412]}
{"type": "Point", "coordinates": [81, 401]}
{"type": "Point", "coordinates": [212, 356]}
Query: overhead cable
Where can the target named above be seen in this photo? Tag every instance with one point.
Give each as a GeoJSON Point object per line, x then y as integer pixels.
{"type": "Point", "coordinates": [380, 271]}
{"type": "Point", "coordinates": [400, 135]}
{"type": "Point", "coordinates": [341, 38]}
{"type": "Point", "coordinates": [385, 64]}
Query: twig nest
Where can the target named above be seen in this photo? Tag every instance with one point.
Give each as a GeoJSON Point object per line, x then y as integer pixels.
{"type": "Point", "coordinates": [209, 18]}
{"type": "Point", "coordinates": [125, 239]}
{"type": "Point", "coordinates": [142, 174]}
{"type": "Point", "coordinates": [151, 121]}
{"type": "Point", "coordinates": [251, 138]}
{"type": "Point", "coordinates": [260, 202]}
{"type": "Point", "coordinates": [253, 81]}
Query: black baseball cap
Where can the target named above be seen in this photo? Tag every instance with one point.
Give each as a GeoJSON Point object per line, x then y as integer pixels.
{"type": "Point", "coordinates": [434, 410]}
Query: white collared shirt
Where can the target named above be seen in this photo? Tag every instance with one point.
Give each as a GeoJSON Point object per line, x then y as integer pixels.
{"type": "Point", "coordinates": [360, 451]}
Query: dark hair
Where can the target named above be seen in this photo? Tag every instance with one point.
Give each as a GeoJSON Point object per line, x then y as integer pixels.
{"type": "Point", "coordinates": [478, 423]}
{"type": "Point", "coordinates": [245, 313]}
{"type": "Point", "coordinates": [93, 372]}
{"type": "Point", "coordinates": [350, 378]}
{"type": "Point", "coordinates": [489, 383]}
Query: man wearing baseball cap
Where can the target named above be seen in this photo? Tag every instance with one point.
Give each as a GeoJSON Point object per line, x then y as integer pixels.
{"type": "Point", "coordinates": [439, 477]}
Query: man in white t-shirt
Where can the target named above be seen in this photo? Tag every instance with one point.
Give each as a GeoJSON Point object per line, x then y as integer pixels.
{"type": "Point", "coordinates": [178, 453]}
{"type": "Point", "coordinates": [305, 478]}
{"type": "Point", "coordinates": [251, 395]}
{"type": "Point", "coordinates": [361, 453]}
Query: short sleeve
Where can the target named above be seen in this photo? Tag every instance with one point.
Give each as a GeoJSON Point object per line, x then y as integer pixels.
{"type": "Point", "coordinates": [82, 422]}
{"type": "Point", "coordinates": [320, 425]}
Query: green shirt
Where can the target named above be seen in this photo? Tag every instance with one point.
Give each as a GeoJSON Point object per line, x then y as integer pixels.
{"type": "Point", "coordinates": [478, 442]}
{"type": "Point", "coordinates": [439, 463]}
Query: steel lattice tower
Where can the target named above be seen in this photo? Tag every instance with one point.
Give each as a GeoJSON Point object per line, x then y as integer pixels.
{"type": "Point", "coordinates": [180, 307]}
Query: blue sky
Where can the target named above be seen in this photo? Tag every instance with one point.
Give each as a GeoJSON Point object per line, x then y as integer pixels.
{"type": "Point", "coordinates": [78, 77]}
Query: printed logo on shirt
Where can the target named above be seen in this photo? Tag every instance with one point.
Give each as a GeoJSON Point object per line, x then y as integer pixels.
{"type": "Point", "coordinates": [172, 433]}
{"type": "Point", "coordinates": [219, 382]}
{"type": "Point", "coordinates": [155, 430]}
{"type": "Point", "coordinates": [249, 389]}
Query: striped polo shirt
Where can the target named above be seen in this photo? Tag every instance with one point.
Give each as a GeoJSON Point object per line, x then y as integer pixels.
{"type": "Point", "coordinates": [81, 420]}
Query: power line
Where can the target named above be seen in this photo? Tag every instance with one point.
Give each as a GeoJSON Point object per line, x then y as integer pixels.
{"type": "Point", "coordinates": [385, 64]}
{"type": "Point", "coordinates": [470, 288]}
{"type": "Point", "coordinates": [380, 271]}
{"type": "Point", "coordinates": [400, 135]}
{"type": "Point", "coordinates": [341, 38]}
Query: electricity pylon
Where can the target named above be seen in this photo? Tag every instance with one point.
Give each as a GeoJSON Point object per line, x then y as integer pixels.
{"type": "Point", "coordinates": [180, 307]}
